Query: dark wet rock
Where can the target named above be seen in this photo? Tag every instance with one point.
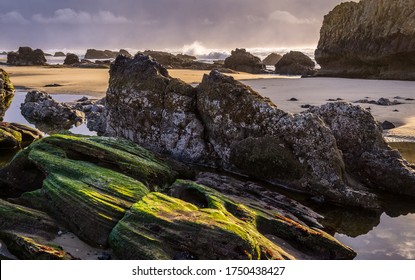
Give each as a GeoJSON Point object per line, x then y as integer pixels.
{"type": "Point", "coordinates": [272, 59]}
{"type": "Point", "coordinates": [293, 99]}
{"type": "Point", "coordinates": [332, 99]}
{"type": "Point", "coordinates": [163, 227]}
{"type": "Point", "coordinates": [17, 136]}
{"type": "Point", "coordinates": [222, 119]}
{"type": "Point", "coordinates": [124, 53]}
{"type": "Point", "coordinates": [241, 60]}
{"type": "Point", "coordinates": [86, 183]}
{"type": "Point", "coordinates": [381, 102]}
{"type": "Point", "coordinates": [99, 54]}
{"type": "Point", "coordinates": [186, 56]}
{"type": "Point", "coordinates": [369, 39]}
{"type": "Point", "coordinates": [295, 63]}
{"type": "Point", "coordinates": [53, 85]}
{"type": "Point", "coordinates": [6, 93]}
{"type": "Point", "coordinates": [59, 54]}
{"type": "Point", "coordinates": [306, 106]}
{"type": "Point", "coordinates": [71, 59]}
{"type": "Point", "coordinates": [387, 125]}
{"type": "Point", "coordinates": [179, 61]}
{"type": "Point", "coordinates": [40, 107]}
{"type": "Point", "coordinates": [25, 56]}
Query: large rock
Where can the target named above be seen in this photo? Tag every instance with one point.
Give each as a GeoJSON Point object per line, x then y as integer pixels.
{"type": "Point", "coordinates": [106, 54]}
{"type": "Point", "coordinates": [16, 136]}
{"type": "Point", "coordinates": [226, 124]}
{"type": "Point", "coordinates": [25, 56]}
{"type": "Point", "coordinates": [241, 60]}
{"type": "Point", "coordinates": [71, 59]}
{"type": "Point", "coordinates": [369, 39]}
{"type": "Point", "coordinates": [6, 93]}
{"type": "Point", "coordinates": [59, 54]}
{"type": "Point", "coordinates": [295, 63]}
{"type": "Point", "coordinates": [272, 59]}
{"type": "Point", "coordinates": [178, 61]}
{"type": "Point", "coordinates": [197, 222]}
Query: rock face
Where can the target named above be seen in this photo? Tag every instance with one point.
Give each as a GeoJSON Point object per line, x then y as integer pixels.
{"type": "Point", "coordinates": [241, 60]}
{"type": "Point", "coordinates": [107, 54]}
{"type": "Point", "coordinates": [59, 54]}
{"type": "Point", "coordinates": [226, 124]}
{"type": "Point", "coordinates": [17, 136]}
{"type": "Point", "coordinates": [295, 63]}
{"type": "Point", "coordinates": [25, 56]}
{"type": "Point", "coordinates": [369, 39]}
{"type": "Point", "coordinates": [271, 59]}
{"type": "Point", "coordinates": [71, 59]}
{"type": "Point", "coordinates": [6, 93]}
{"type": "Point", "coordinates": [40, 107]}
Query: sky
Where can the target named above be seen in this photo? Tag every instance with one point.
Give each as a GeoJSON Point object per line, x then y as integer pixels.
{"type": "Point", "coordinates": [161, 24]}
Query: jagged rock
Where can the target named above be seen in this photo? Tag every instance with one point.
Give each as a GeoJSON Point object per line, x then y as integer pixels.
{"type": "Point", "coordinates": [17, 136]}
{"type": "Point", "coordinates": [272, 59]}
{"type": "Point", "coordinates": [6, 93]}
{"type": "Point", "coordinates": [40, 107]}
{"type": "Point", "coordinates": [295, 63]}
{"type": "Point", "coordinates": [25, 56]}
{"type": "Point", "coordinates": [387, 125]}
{"type": "Point", "coordinates": [125, 53]}
{"type": "Point", "coordinates": [71, 59]}
{"type": "Point", "coordinates": [164, 106]}
{"type": "Point", "coordinates": [226, 124]}
{"type": "Point", "coordinates": [369, 39]}
{"type": "Point", "coordinates": [196, 217]}
{"type": "Point", "coordinates": [59, 54]}
{"type": "Point", "coordinates": [86, 183]}
{"type": "Point", "coordinates": [241, 60]}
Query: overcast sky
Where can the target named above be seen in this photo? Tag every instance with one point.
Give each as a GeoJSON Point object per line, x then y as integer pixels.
{"type": "Point", "coordinates": [160, 24]}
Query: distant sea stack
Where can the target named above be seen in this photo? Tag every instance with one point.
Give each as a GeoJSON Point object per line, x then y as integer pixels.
{"type": "Point", "coordinates": [295, 63]}
{"type": "Point", "coordinates": [241, 60]}
{"type": "Point", "coordinates": [25, 56]}
{"type": "Point", "coordinates": [370, 39]}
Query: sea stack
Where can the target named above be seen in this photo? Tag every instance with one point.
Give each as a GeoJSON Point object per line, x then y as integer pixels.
{"type": "Point", "coordinates": [25, 56]}
{"type": "Point", "coordinates": [370, 39]}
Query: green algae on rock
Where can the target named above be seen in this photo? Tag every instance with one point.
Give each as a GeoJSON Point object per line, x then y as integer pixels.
{"type": "Point", "coordinates": [17, 136]}
{"type": "Point", "coordinates": [187, 223]}
{"type": "Point", "coordinates": [6, 92]}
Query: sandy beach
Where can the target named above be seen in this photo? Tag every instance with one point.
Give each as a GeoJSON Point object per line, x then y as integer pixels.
{"type": "Point", "coordinates": [311, 91]}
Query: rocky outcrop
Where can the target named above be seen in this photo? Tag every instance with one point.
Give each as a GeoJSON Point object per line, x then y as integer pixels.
{"type": "Point", "coordinates": [226, 124]}
{"type": "Point", "coordinates": [107, 54]}
{"type": "Point", "coordinates": [124, 53]}
{"type": "Point", "coordinates": [369, 39]}
{"type": "Point", "coordinates": [272, 59]}
{"type": "Point", "coordinates": [178, 61]}
{"type": "Point", "coordinates": [6, 93]}
{"type": "Point", "coordinates": [295, 63]}
{"type": "Point", "coordinates": [241, 60]}
{"type": "Point", "coordinates": [59, 54]}
{"type": "Point", "coordinates": [25, 56]}
{"type": "Point", "coordinates": [17, 136]}
{"type": "Point", "coordinates": [40, 107]}
{"type": "Point", "coordinates": [71, 59]}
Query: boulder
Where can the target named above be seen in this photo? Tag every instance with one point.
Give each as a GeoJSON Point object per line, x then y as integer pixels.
{"type": "Point", "coordinates": [99, 54]}
{"type": "Point", "coordinates": [25, 56]}
{"type": "Point", "coordinates": [125, 53]}
{"type": "Point", "coordinates": [17, 136]}
{"type": "Point", "coordinates": [6, 93]}
{"type": "Point", "coordinates": [368, 39]}
{"type": "Point", "coordinates": [241, 60]}
{"type": "Point", "coordinates": [71, 59]}
{"type": "Point", "coordinates": [197, 222]}
{"type": "Point", "coordinates": [179, 61]}
{"type": "Point", "coordinates": [295, 63]}
{"type": "Point", "coordinates": [59, 54]}
{"type": "Point", "coordinates": [272, 59]}
{"type": "Point", "coordinates": [387, 125]}
{"type": "Point", "coordinates": [40, 108]}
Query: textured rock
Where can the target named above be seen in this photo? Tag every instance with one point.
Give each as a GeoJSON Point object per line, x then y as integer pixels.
{"type": "Point", "coordinates": [86, 183]}
{"type": "Point", "coordinates": [40, 107]}
{"type": "Point", "coordinates": [241, 60]}
{"type": "Point", "coordinates": [71, 59]}
{"type": "Point", "coordinates": [6, 93]}
{"type": "Point", "coordinates": [178, 61]}
{"type": "Point", "coordinates": [198, 219]}
{"type": "Point", "coordinates": [272, 59]}
{"type": "Point", "coordinates": [59, 54]}
{"type": "Point", "coordinates": [17, 136]}
{"type": "Point", "coordinates": [381, 102]}
{"type": "Point", "coordinates": [25, 56]}
{"type": "Point", "coordinates": [369, 39]}
{"type": "Point", "coordinates": [295, 63]}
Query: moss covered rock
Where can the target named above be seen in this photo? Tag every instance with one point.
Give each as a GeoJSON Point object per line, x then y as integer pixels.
{"type": "Point", "coordinates": [87, 183]}
{"type": "Point", "coordinates": [6, 93]}
{"type": "Point", "coordinates": [17, 136]}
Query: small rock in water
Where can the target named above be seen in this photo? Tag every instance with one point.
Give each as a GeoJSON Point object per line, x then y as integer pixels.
{"type": "Point", "coordinates": [409, 99]}
{"type": "Point", "coordinates": [53, 85]}
{"type": "Point", "coordinates": [306, 106]}
{"type": "Point", "coordinates": [82, 99]}
{"type": "Point", "coordinates": [293, 99]}
{"type": "Point", "coordinates": [396, 110]}
{"type": "Point", "coordinates": [387, 125]}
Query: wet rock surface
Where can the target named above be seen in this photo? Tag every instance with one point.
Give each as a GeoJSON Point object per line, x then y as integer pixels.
{"type": "Point", "coordinates": [6, 93]}
{"type": "Point", "coordinates": [369, 39]}
{"type": "Point", "coordinates": [14, 136]}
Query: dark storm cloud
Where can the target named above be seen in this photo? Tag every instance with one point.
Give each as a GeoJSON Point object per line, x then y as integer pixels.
{"type": "Point", "coordinates": [161, 23]}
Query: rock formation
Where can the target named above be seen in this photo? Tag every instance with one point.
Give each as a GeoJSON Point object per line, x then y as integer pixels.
{"type": "Point", "coordinates": [6, 93]}
{"type": "Point", "coordinates": [272, 59]}
{"type": "Point", "coordinates": [369, 39]}
{"type": "Point", "coordinates": [25, 56]}
{"type": "Point", "coordinates": [71, 59]}
{"type": "Point", "coordinates": [241, 60]}
{"type": "Point", "coordinates": [59, 54]}
{"type": "Point", "coordinates": [15, 136]}
{"type": "Point", "coordinates": [226, 124]}
{"type": "Point", "coordinates": [295, 63]}
{"type": "Point", "coordinates": [178, 61]}
{"type": "Point", "coordinates": [107, 54]}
